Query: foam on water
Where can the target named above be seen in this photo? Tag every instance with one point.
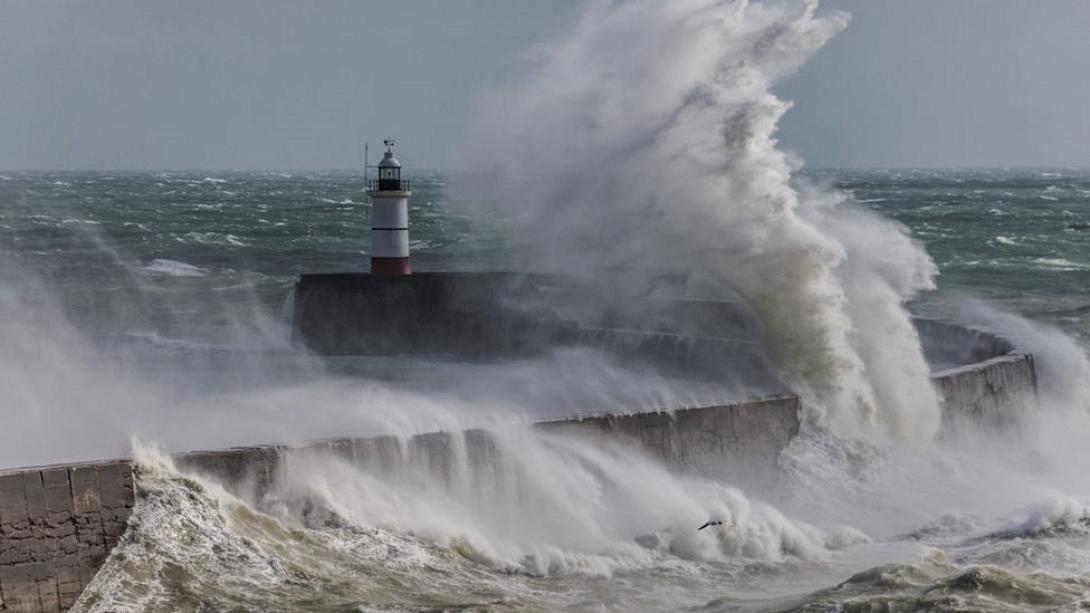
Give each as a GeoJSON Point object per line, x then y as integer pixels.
{"type": "Point", "coordinates": [934, 584]}
{"type": "Point", "coordinates": [172, 268]}
{"type": "Point", "coordinates": [520, 533]}
{"type": "Point", "coordinates": [1053, 517]}
{"type": "Point", "coordinates": [192, 546]}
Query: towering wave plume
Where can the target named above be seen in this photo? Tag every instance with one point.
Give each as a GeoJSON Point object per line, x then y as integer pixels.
{"type": "Point", "coordinates": [641, 146]}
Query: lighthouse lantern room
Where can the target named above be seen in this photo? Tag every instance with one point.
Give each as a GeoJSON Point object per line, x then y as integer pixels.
{"type": "Point", "coordinates": [389, 217]}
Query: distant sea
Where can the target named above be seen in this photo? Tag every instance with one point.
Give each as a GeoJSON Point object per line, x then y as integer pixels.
{"type": "Point", "coordinates": [1020, 238]}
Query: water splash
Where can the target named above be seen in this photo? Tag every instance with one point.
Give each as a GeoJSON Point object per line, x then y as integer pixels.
{"type": "Point", "coordinates": [510, 529]}
{"type": "Point", "coordinates": [641, 146]}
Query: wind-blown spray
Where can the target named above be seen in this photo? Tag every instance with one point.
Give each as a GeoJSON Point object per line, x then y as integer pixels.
{"type": "Point", "coordinates": [641, 144]}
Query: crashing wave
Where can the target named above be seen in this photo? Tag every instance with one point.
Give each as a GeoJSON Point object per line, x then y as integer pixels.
{"type": "Point", "coordinates": [667, 108]}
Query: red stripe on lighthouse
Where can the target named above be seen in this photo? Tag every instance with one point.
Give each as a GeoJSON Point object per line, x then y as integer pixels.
{"type": "Point", "coordinates": [390, 266]}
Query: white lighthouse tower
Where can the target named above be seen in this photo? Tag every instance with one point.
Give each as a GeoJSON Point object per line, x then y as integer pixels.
{"type": "Point", "coordinates": [389, 217]}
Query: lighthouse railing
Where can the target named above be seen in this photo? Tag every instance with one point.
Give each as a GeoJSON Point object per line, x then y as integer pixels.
{"type": "Point", "coordinates": [388, 185]}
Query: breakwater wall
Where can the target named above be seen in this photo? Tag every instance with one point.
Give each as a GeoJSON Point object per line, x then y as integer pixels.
{"type": "Point", "coordinates": [998, 393]}
{"type": "Point", "coordinates": [58, 523]}
{"type": "Point", "coordinates": [731, 442]}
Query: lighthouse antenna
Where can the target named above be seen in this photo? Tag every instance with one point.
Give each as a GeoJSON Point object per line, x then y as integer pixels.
{"type": "Point", "coordinates": [365, 166]}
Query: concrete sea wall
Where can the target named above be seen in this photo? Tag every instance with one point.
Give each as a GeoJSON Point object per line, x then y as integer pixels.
{"type": "Point", "coordinates": [58, 523]}
{"type": "Point", "coordinates": [729, 441]}
{"type": "Point", "coordinates": [1000, 392]}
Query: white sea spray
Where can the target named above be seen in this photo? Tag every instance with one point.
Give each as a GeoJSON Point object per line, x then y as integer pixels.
{"type": "Point", "coordinates": [641, 143]}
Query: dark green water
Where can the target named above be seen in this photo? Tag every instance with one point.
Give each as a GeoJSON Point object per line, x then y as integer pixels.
{"type": "Point", "coordinates": [1020, 238]}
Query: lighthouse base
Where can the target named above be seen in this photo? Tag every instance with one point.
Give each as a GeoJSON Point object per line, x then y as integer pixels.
{"type": "Point", "coordinates": [498, 316]}
{"type": "Point", "coordinates": [390, 266]}
{"type": "Point", "coordinates": [395, 313]}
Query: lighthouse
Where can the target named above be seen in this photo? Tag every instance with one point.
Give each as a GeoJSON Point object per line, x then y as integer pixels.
{"type": "Point", "coordinates": [389, 217]}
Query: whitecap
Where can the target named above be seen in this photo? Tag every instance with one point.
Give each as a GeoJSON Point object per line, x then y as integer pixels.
{"type": "Point", "coordinates": [210, 238]}
{"type": "Point", "coordinates": [1060, 264]}
{"type": "Point", "coordinates": [172, 268]}
{"type": "Point", "coordinates": [1046, 518]}
{"type": "Point", "coordinates": [158, 340]}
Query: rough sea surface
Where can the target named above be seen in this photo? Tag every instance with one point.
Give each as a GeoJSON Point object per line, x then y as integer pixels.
{"type": "Point", "coordinates": [159, 299]}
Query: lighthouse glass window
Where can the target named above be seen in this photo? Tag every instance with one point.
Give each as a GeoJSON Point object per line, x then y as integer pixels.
{"type": "Point", "coordinates": [388, 173]}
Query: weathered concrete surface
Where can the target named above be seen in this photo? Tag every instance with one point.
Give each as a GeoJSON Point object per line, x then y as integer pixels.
{"type": "Point", "coordinates": [997, 393]}
{"type": "Point", "coordinates": [57, 524]}
{"type": "Point", "coordinates": [708, 440]}
{"type": "Point", "coordinates": [741, 438]}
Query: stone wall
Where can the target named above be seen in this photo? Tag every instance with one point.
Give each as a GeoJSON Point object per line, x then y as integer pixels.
{"type": "Point", "coordinates": [57, 525]}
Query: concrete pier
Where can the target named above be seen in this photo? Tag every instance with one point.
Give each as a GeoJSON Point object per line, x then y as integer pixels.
{"type": "Point", "coordinates": [469, 314]}
{"type": "Point", "coordinates": [496, 315]}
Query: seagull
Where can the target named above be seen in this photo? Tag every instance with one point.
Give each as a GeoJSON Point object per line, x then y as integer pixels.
{"type": "Point", "coordinates": [714, 522]}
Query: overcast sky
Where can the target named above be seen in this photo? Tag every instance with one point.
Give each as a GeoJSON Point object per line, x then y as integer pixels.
{"type": "Point", "coordinates": [279, 84]}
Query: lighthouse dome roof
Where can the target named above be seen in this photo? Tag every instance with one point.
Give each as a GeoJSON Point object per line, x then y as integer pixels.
{"type": "Point", "coordinates": [389, 161]}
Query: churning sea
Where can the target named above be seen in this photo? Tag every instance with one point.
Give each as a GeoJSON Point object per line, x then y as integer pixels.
{"type": "Point", "coordinates": [164, 294]}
